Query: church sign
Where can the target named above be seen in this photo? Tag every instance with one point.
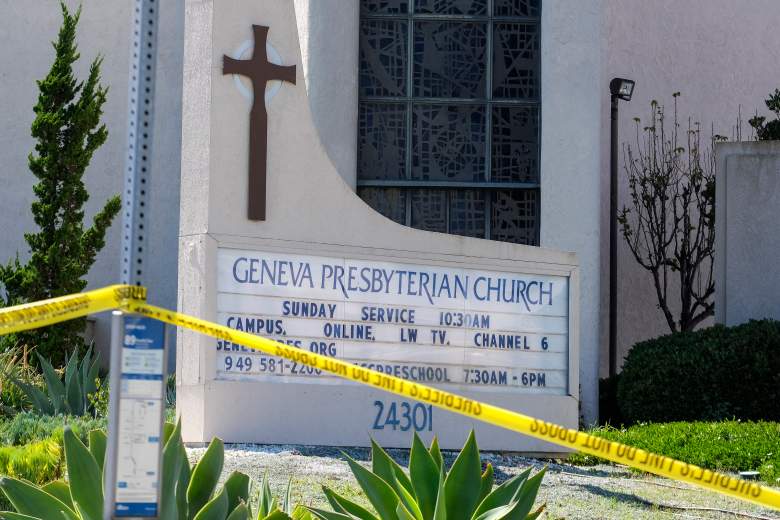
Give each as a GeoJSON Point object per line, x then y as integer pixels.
{"type": "Point", "coordinates": [427, 324]}
{"type": "Point", "coordinates": [295, 255]}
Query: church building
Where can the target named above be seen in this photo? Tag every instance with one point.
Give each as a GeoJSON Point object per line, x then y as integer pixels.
{"type": "Point", "coordinates": [417, 175]}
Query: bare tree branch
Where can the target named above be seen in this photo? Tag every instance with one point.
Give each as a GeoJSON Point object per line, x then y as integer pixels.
{"type": "Point", "coordinates": [670, 224]}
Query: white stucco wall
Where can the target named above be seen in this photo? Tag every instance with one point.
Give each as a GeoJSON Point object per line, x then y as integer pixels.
{"type": "Point", "coordinates": [571, 71]}
{"type": "Point", "coordinates": [747, 276]}
{"type": "Point", "coordinates": [720, 55]}
{"type": "Point", "coordinates": [26, 30]}
{"type": "Point", "coordinates": [328, 30]}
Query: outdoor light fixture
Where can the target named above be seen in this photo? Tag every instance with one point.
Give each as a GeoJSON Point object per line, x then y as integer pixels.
{"type": "Point", "coordinates": [623, 89]}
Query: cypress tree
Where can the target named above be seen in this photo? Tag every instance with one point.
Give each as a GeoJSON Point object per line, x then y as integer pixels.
{"type": "Point", "coordinates": [68, 130]}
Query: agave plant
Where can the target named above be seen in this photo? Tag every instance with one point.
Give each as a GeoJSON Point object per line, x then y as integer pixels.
{"type": "Point", "coordinates": [429, 492]}
{"type": "Point", "coordinates": [69, 396]}
{"type": "Point", "coordinates": [188, 493]}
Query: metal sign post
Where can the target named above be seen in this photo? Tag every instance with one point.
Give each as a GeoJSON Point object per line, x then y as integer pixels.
{"type": "Point", "coordinates": [136, 414]}
{"type": "Point", "coordinates": [135, 194]}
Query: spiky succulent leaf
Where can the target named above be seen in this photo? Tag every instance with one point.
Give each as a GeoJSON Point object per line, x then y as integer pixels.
{"type": "Point", "coordinates": [237, 487]}
{"type": "Point", "coordinates": [277, 514]}
{"type": "Point", "coordinates": [59, 489]}
{"type": "Point", "coordinates": [301, 513]}
{"type": "Point", "coordinates": [183, 483]}
{"type": "Point", "coordinates": [408, 500]}
{"type": "Point", "coordinates": [90, 371]}
{"type": "Point", "coordinates": [536, 514]}
{"type": "Point", "coordinates": [288, 506]}
{"type": "Point", "coordinates": [526, 496]}
{"type": "Point", "coordinates": [32, 501]}
{"type": "Point", "coordinates": [240, 512]}
{"type": "Point", "coordinates": [85, 477]}
{"type": "Point", "coordinates": [266, 500]}
{"type": "Point", "coordinates": [436, 454]}
{"type": "Point", "coordinates": [168, 429]}
{"type": "Point", "coordinates": [386, 468]}
{"type": "Point", "coordinates": [97, 446]}
{"type": "Point", "coordinates": [329, 515]}
{"type": "Point", "coordinates": [503, 494]}
{"type": "Point", "coordinates": [402, 513]}
{"type": "Point", "coordinates": [37, 398]}
{"type": "Point", "coordinates": [172, 461]}
{"type": "Point", "coordinates": [424, 474]}
{"type": "Point", "coordinates": [464, 482]}
{"type": "Point", "coordinates": [487, 483]}
{"type": "Point", "coordinates": [7, 515]}
{"type": "Point", "coordinates": [54, 386]}
{"type": "Point", "coordinates": [381, 495]}
{"type": "Point", "coordinates": [346, 506]}
{"type": "Point", "coordinates": [74, 395]}
{"type": "Point", "coordinates": [215, 509]}
{"type": "Point", "coordinates": [440, 511]}
{"type": "Point", "coordinates": [205, 476]}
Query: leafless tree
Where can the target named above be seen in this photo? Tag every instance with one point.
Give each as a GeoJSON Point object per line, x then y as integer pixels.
{"type": "Point", "coordinates": [670, 223]}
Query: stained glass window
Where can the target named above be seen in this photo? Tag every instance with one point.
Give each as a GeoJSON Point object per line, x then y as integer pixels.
{"type": "Point", "coordinates": [449, 116]}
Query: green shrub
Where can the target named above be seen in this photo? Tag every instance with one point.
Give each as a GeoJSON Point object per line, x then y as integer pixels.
{"type": "Point", "coordinates": [13, 366]}
{"type": "Point", "coordinates": [28, 427]}
{"type": "Point", "coordinates": [724, 446]}
{"type": "Point", "coordinates": [768, 131]}
{"type": "Point", "coordinates": [718, 373]}
{"type": "Point", "coordinates": [431, 492]}
{"type": "Point", "coordinates": [38, 462]}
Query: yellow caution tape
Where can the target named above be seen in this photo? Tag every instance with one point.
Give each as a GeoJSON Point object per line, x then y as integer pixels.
{"type": "Point", "coordinates": [132, 299]}
{"type": "Point", "coordinates": [48, 312]}
{"type": "Point", "coordinates": [573, 439]}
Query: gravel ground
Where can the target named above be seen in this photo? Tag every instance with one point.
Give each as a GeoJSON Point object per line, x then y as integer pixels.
{"type": "Point", "coordinates": [598, 492]}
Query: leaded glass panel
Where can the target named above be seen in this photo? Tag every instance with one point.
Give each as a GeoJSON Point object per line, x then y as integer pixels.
{"type": "Point", "coordinates": [448, 143]}
{"type": "Point", "coordinates": [382, 140]}
{"type": "Point", "coordinates": [389, 202]}
{"type": "Point", "coordinates": [383, 58]}
{"type": "Point", "coordinates": [473, 7]}
{"type": "Point", "coordinates": [515, 144]}
{"type": "Point", "coordinates": [517, 8]}
{"type": "Point", "coordinates": [467, 213]}
{"type": "Point", "coordinates": [515, 61]}
{"type": "Point", "coordinates": [429, 210]}
{"type": "Point", "coordinates": [449, 115]}
{"type": "Point", "coordinates": [515, 216]}
{"type": "Point", "coordinates": [384, 6]}
{"type": "Point", "coordinates": [449, 59]}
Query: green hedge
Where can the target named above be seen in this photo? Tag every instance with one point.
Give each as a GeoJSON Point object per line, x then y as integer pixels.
{"type": "Point", "coordinates": [718, 373]}
{"type": "Point", "coordinates": [31, 446]}
{"type": "Point", "coordinates": [731, 446]}
{"type": "Point", "coordinates": [39, 462]}
{"type": "Point", "coordinates": [28, 427]}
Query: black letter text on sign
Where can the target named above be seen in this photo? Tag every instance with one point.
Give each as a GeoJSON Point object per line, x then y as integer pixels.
{"type": "Point", "coordinates": [260, 71]}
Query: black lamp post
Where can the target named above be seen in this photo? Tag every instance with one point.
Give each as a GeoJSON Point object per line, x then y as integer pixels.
{"type": "Point", "coordinates": [623, 89]}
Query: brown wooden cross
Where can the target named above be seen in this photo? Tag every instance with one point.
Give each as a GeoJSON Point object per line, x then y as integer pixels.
{"type": "Point", "coordinates": [260, 71]}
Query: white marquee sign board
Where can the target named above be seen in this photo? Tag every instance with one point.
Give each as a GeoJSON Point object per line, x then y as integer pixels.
{"type": "Point", "coordinates": [451, 328]}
